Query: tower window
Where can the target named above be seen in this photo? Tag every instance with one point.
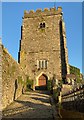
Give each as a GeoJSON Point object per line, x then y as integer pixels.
{"type": "Point", "coordinates": [46, 64]}
{"type": "Point", "coordinates": [42, 64]}
{"type": "Point", "coordinates": [42, 25]}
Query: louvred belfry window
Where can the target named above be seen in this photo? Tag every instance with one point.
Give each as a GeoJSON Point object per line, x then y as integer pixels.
{"type": "Point", "coordinates": [42, 25]}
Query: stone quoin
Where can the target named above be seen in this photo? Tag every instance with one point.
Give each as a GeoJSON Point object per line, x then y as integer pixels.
{"type": "Point", "coordinates": [43, 51]}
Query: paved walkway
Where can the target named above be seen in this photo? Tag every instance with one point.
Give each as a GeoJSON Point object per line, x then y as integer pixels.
{"type": "Point", "coordinates": [30, 105]}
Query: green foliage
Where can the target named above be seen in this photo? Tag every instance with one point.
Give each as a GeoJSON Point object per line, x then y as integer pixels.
{"type": "Point", "coordinates": [61, 82]}
{"type": "Point", "coordinates": [60, 106]}
{"type": "Point", "coordinates": [75, 70]}
{"type": "Point", "coordinates": [49, 84]}
{"type": "Point", "coordinates": [42, 30]}
{"type": "Point", "coordinates": [29, 83]}
{"type": "Point", "coordinates": [20, 81]}
{"type": "Point", "coordinates": [78, 80]}
{"type": "Point", "coordinates": [56, 93]}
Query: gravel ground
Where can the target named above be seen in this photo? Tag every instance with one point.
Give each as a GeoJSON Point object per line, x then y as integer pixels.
{"type": "Point", "coordinates": [30, 105]}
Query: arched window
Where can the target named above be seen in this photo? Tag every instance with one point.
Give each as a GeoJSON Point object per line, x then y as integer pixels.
{"type": "Point", "coordinates": [42, 25]}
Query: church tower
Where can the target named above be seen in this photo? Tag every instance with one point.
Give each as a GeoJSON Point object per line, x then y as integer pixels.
{"type": "Point", "coordinates": [43, 52]}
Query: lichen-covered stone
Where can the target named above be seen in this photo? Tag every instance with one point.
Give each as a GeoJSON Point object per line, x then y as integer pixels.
{"type": "Point", "coordinates": [10, 72]}
{"type": "Point", "coordinates": [48, 43]}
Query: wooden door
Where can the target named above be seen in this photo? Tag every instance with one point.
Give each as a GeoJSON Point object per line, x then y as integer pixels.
{"type": "Point", "coordinates": [42, 80]}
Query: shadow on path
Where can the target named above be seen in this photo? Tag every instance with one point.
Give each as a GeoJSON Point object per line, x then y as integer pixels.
{"type": "Point", "coordinates": [30, 106]}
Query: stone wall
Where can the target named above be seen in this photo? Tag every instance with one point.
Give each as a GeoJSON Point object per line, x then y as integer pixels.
{"type": "Point", "coordinates": [74, 99]}
{"type": "Point", "coordinates": [64, 50]}
{"type": "Point", "coordinates": [0, 76]}
{"type": "Point", "coordinates": [76, 105]}
{"type": "Point", "coordinates": [42, 44]}
{"type": "Point", "coordinates": [12, 79]}
{"type": "Point", "coordinates": [76, 71]}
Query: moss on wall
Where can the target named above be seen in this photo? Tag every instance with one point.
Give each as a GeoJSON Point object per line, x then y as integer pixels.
{"type": "Point", "coordinates": [12, 79]}
{"type": "Point", "coordinates": [76, 71]}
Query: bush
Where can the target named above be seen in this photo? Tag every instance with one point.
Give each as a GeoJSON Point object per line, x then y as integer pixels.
{"type": "Point", "coordinates": [55, 95]}
{"type": "Point", "coordinates": [29, 83]}
{"type": "Point", "coordinates": [20, 80]}
{"type": "Point", "coordinates": [78, 80]}
{"type": "Point", "coordinates": [49, 85]}
{"type": "Point", "coordinates": [75, 71]}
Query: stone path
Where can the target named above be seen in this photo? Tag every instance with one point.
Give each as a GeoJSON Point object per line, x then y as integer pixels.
{"type": "Point", "coordinates": [30, 105]}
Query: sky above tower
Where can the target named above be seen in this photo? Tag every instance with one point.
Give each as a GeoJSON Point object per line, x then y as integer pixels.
{"type": "Point", "coordinates": [13, 12]}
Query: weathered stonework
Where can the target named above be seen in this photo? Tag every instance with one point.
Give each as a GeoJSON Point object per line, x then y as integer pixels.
{"type": "Point", "coordinates": [47, 43]}
{"type": "Point", "coordinates": [0, 78]}
{"type": "Point", "coordinates": [11, 79]}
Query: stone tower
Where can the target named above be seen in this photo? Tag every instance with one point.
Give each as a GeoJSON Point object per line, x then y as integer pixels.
{"type": "Point", "coordinates": [43, 52]}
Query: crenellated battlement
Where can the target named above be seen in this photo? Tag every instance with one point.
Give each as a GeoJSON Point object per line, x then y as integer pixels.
{"type": "Point", "coordinates": [39, 12]}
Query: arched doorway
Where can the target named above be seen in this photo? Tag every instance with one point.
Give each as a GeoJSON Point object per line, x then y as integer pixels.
{"type": "Point", "coordinates": [42, 82]}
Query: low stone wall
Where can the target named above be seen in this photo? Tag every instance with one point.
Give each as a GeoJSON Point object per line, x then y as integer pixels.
{"type": "Point", "coordinates": [74, 100]}
{"type": "Point", "coordinates": [77, 105]}
{"type": "Point", "coordinates": [66, 88]}
{"type": "Point", "coordinates": [12, 79]}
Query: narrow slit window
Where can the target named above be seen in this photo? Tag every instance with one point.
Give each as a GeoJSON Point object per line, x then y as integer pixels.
{"type": "Point", "coordinates": [43, 25]}
{"type": "Point", "coordinates": [42, 64]}
{"type": "Point", "coordinates": [45, 64]}
{"type": "Point", "coordinates": [39, 64]}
